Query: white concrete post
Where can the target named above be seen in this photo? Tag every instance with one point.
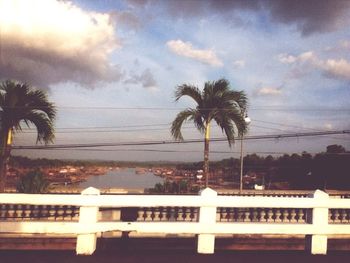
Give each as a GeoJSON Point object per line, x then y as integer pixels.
{"type": "Point", "coordinates": [86, 243]}
{"type": "Point", "coordinates": [207, 215]}
{"type": "Point", "coordinates": [317, 244]}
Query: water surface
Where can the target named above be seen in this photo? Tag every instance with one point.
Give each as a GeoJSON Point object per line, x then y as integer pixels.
{"type": "Point", "coordinates": [123, 178]}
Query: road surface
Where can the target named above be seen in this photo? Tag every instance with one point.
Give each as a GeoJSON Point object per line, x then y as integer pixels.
{"type": "Point", "coordinates": [168, 256]}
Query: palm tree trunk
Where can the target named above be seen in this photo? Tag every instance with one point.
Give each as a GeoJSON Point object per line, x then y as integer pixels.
{"type": "Point", "coordinates": [5, 149]}
{"type": "Point", "coordinates": [206, 153]}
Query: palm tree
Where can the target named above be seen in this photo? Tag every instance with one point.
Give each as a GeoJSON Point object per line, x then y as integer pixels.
{"type": "Point", "coordinates": [216, 102]}
{"type": "Point", "coordinates": [20, 104]}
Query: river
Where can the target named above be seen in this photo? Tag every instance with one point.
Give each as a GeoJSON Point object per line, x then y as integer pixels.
{"type": "Point", "coordinates": [125, 178]}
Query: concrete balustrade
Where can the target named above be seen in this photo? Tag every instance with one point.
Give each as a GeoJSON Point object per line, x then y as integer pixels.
{"type": "Point", "coordinates": [316, 216]}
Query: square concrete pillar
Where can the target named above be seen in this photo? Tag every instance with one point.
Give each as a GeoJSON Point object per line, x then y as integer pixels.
{"type": "Point", "coordinates": [317, 244]}
{"type": "Point", "coordinates": [207, 215]}
{"type": "Point", "coordinates": [86, 243]}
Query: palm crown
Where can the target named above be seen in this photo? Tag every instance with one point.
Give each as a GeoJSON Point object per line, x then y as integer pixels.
{"type": "Point", "coordinates": [216, 102]}
{"type": "Point", "coordinates": [21, 105]}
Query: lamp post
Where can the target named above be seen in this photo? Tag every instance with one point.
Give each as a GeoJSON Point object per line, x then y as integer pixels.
{"type": "Point", "coordinates": [247, 121]}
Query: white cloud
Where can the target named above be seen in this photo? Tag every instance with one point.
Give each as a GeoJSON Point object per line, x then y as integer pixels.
{"type": "Point", "coordinates": [290, 59]}
{"type": "Point", "coordinates": [239, 64]}
{"type": "Point", "coordinates": [268, 91]}
{"type": "Point", "coordinates": [286, 59]}
{"type": "Point", "coordinates": [47, 41]}
{"type": "Point", "coordinates": [186, 49]}
{"type": "Point", "coordinates": [336, 68]}
{"type": "Point", "coordinates": [332, 68]}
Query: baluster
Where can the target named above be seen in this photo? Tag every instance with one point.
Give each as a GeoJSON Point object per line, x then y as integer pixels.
{"type": "Point", "coordinates": [68, 212]}
{"type": "Point", "coordinates": [330, 216]}
{"type": "Point", "coordinates": [240, 217]}
{"type": "Point", "coordinates": [235, 214]}
{"type": "Point", "coordinates": [11, 211]}
{"type": "Point", "coordinates": [262, 217]}
{"type": "Point", "coordinates": [194, 214]}
{"type": "Point", "coordinates": [56, 208]}
{"type": "Point", "coordinates": [59, 212]}
{"type": "Point", "coordinates": [293, 215]}
{"type": "Point", "coordinates": [35, 211]}
{"type": "Point", "coordinates": [246, 215]}
{"type": "Point", "coordinates": [301, 216]}
{"type": "Point", "coordinates": [188, 214]}
{"type": "Point", "coordinates": [155, 214]}
{"type": "Point", "coordinates": [144, 215]}
{"type": "Point", "coordinates": [336, 216]}
{"type": "Point", "coordinates": [269, 215]}
{"type": "Point", "coordinates": [16, 212]}
{"type": "Point", "coordinates": [28, 212]}
{"type": "Point", "coordinates": [46, 211]}
{"type": "Point", "coordinates": [184, 213]}
{"type": "Point", "coordinates": [75, 213]}
{"type": "Point", "coordinates": [254, 214]}
{"type": "Point", "coordinates": [343, 216]}
{"type": "Point", "coordinates": [140, 214]}
{"type": "Point", "coordinates": [223, 214]}
{"type": "Point", "coordinates": [64, 212]}
{"type": "Point", "coordinates": [230, 214]}
{"type": "Point", "coordinates": [167, 213]}
{"type": "Point", "coordinates": [285, 215]}
{"type": "Point", "coordinates": [2, 211]}
{"type": "Point", "coordinates": [171, 213]}
{"type": "Point", "coordinates": [161, 213]}
{"type": "Point", "coordinates": [149, 212]}
{"type": "Point", "coordinates": [176, 213]}
{"type": "Point", "coordinates": [179, 214]}
{"type": "Point", "coordinates": [278, 215]}
{"type": "Point", "coordinates": [218, 214]}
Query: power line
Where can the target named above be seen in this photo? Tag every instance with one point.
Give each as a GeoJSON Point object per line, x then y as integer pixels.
{"type": "Point", "coordinates": [260, 137]}
{"type": "Point", "coordinates": [292, 126]}
{"type": "Point", "coordinates": [133, 130]}
{"type": "Point", "coordinates": [262, 108]}
{"type": "Point", "coordinates": [187, 151]}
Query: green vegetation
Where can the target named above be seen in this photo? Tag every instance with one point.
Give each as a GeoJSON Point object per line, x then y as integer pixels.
{"type": "Point", "coordinates": [20, 104]}
{"type": "Point", "coordinates": [216, 102]}
{"type": "Point", "coordinates": [168, 187]}
{"type": "Point", "coordinates": [25, 162]}
{"type": "Point", "coordinates": [326, 170]}
{"type": "Point", "coordinates": [33, 183]}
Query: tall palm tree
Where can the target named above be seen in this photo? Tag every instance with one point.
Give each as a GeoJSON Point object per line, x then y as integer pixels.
{"type": "Point", "coordinates": [21, 105]}
{"type": "Point", "coordinates": [216, 102]}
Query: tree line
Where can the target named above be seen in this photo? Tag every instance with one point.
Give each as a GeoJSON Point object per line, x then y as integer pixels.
{"type": "Point", "coordinates": [325, 170]}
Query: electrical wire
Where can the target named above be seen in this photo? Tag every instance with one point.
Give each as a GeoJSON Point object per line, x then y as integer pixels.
{"type": "Point", "coordinates": [260, 137]}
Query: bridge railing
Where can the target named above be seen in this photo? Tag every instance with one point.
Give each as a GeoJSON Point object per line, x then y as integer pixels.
{"type": "Point", "coordinates": [206, 215]}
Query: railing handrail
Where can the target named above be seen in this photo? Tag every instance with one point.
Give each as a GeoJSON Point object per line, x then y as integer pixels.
{"type": "Point", "coordinates": [314, 222]}
{"type": "Point", "coordinates": [173, 200]}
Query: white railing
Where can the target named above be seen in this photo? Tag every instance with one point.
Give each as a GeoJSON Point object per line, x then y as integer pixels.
{"type": "Point", "coordinates": [317, 216]}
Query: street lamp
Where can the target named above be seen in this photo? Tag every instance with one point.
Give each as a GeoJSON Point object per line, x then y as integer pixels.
{"type": "Point", "coordinates": [247, 121]}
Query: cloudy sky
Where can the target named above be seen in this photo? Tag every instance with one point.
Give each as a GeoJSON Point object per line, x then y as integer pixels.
{"type": "Point", "coordinates": [111, 68]}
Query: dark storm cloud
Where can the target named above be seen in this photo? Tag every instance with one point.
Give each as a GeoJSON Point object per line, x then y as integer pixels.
{"type": "Point", "coordinates": [43, 49]}
{"type": "Point", "coordinates": [126, 18]}
{"type": "Point", "coordinates": [310, 16]}
{"type": "Point", "coordinates": [146, 79]}
{"type": "Point", "coordinates": [42, 68]}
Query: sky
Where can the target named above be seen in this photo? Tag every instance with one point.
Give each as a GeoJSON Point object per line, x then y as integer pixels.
{"type": "Point", "coordinates": [111, 68]}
